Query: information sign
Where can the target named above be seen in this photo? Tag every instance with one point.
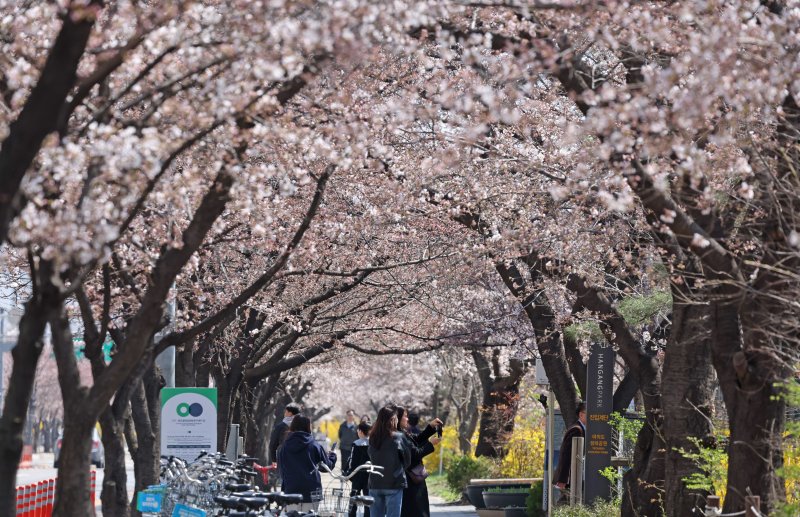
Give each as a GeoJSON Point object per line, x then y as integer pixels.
{"type": "Point", "coordinates": [147, 502]}
{"type": "Point", "coordinates": [188, 422]}
{"type": "Point", "coordinates": [599, 405]}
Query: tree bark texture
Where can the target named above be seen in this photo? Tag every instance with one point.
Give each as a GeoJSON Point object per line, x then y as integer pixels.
{"type": "Point", "coordinates": [756, 412]}
{"type": "Point", "coordinates": [26, 354]}
{"type": "Point", "coordinates": [114, 493]}
{"type": "Point", "coordinates": [688, 401]}
{"type": "Point", "coordinates": [644, 482]}
{"type": "Point", "coordinates": [499, 405]}
{"type": "Point", "coordinates": [73, 483]}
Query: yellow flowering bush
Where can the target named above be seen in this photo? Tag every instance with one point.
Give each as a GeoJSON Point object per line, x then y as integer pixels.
{"type": "Point", "coordinates": [525, 451]}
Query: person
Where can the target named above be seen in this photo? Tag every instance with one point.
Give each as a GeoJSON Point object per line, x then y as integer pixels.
{"type": "Point", "coordinates": [281, 429]}
{"type": "Point", "coordinates": [562, 474]}
{"type": "Point", "coordinates": [359, 484]}
{"type": "Point", "coordinates": [413, 424]}
{"type": "Point", "coordinates": [298, 460]}
{"type": "Point", "coordinates": [365, 419]}
{"type": "Point", "coordinates": [415, 494]}
{"type": "Point", "coordinates": [347, 435]}
{"type": "Point", "coordinates": [387, 449]}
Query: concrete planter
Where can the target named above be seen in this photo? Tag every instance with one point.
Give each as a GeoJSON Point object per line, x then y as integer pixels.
{"type": "Point", "coordinates": [505, 499]}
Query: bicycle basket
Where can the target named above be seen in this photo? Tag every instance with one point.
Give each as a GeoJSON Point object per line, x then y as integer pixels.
{"type": "Point", "coordinates": [333, 502]}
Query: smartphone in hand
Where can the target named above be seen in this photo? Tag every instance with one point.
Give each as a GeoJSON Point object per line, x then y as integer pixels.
{"type": "Point", "coordinates": [439, 431]}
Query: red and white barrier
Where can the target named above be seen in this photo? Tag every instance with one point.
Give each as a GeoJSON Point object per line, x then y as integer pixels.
{"type": "Point", "coordinates": [37, 500]}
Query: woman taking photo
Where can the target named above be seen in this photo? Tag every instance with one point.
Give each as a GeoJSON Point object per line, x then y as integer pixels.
{"type": "Point", "coordinates": [415, 495]}
{"type": "Point", "coordinates": [298, 458]}
{"type": "Point", "coordinates": [387, 448]}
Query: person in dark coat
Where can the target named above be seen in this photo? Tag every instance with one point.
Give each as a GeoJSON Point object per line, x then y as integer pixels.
{"type": "Point", "coordinates": [347, 435]}
{"type": "Point", "coordinates": [388, 450]}
{"type": "Point", "coordinates": [415, 495]}
{"type": "Point", "coordinates": [359, 484]}
{"type": "Point", "coordinates": [561, 477]}
{"type": "Point", "coordinates": [413, 424]}
{"type": "Point", "coordinates": [281, 430]}
{"type": "Point", "coordinates": [298, 460]}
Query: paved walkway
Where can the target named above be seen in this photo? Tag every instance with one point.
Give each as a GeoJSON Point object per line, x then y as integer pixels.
{"type": "Point", "coordinates": [440, 509]}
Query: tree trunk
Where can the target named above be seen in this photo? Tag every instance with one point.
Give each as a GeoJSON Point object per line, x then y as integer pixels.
{"type": "Point", "coordinates": [548, 337]}
{"type": "Point", "coordinates": [468, 422]}
{"type": "Point", "coordinates": [264, 408]}
{"type": "Point", "coordinates": [20, 386]}
{"type": "Point", "coordinates": [224, 408]}
{"type": "Point", "coordinates": [184, 367]}
{"type": "Point", "coordinates": [146, 413]}
{"type": "Point", "coordinates": [73, 484]}
{"type": "Point", "coordinates": [497, 421]}
{"type": "Point", "coordinates": [114, 494]}
{"type": "Point", "coordinates": [756, 412]}
{"type": "Point", "coordinates": [643, 483]}
{"type": "Point", "coordinates": [688, 403]}
{"type": "Point", "coordinates": [500, 404]}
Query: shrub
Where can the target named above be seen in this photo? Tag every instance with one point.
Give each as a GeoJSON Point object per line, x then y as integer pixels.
{"type": "Point", "coordinates": [525, 451]}
{"type": "Point", "coordinates": [464, 468]}
{"type": "Point", "coordinates": [534, 500]}
{"type": "Point", "coordinates": [600, 509]}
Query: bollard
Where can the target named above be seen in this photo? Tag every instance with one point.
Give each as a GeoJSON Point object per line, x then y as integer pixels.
{"type": "Point", "coordinates": [27, 507]}
{"type": "Point", "coordinates": [19, 501]}
{"type": "Point", "coordinates": [37, 500]}
{"type": "Point", "coordinates": [51, 494]}
{"type": "Point", "coordinates": [26, 492]}
{"type": "Point", "coordinates": [713, 508]}
{"type": "Point", "coordinates": [92, 486]}
{"type": "Point", "coordinates": [752, 505]}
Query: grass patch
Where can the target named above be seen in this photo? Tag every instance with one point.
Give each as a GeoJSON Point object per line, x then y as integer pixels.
{"type": "Point", "coordinates": [437, 485]}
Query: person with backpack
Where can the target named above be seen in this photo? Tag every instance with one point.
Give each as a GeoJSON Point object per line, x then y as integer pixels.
{"type": "Point", "coordinates": [387, 449]}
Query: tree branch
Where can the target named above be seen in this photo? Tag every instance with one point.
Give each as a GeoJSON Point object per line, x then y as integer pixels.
{"type": "Point", "coordinates": [176, 338]}
{"type": "Point", "coordinates": [39, 116]}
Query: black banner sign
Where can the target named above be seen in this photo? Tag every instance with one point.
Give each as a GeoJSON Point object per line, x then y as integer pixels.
{"type": "Point", "coordinates": [599, 404]}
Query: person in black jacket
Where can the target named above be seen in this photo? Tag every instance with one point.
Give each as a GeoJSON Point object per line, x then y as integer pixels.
{"type": "Point", "coordinates": [359, 484]}
{"type": "Point", "coordinates": [347, 435]}
{"type": "Point", "coordinates": [561, 477]}
{"type": "Point", "coordinates": [281, 429]}
{"type": "Point", "coordinates": [298, 459]}
{"type": "Point", "coordinates": [387, 449]}
{"type": "Point", "coordinates": [415, 495]}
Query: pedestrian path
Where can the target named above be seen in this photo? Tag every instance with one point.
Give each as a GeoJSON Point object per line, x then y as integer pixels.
{"type": "Point", "coordinates": [440, 509]}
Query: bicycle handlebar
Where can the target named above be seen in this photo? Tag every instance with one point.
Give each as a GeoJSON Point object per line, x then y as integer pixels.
{"type": "Point", "coordinates": [368, 466]}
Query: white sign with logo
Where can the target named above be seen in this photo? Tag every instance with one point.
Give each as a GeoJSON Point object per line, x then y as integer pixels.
{"type": "Point", "coordinates": [188, 422]}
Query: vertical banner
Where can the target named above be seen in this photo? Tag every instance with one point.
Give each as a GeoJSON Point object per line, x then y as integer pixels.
{"type": "Point", "coordinates": [188, 422]}
{"type": "Point", "coordinates": [599, 404]}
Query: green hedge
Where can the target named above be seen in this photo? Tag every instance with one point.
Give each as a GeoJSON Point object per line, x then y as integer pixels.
{"type": "Point", "coordinates": [463, 468]}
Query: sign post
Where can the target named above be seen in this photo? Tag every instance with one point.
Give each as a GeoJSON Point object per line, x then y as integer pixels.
{"type": "Point", "coordinates": [188, 422]}
{"type": "Point", "coordinates": [547, 493]}
{"type": "Point", "coordinates": [599, 405]}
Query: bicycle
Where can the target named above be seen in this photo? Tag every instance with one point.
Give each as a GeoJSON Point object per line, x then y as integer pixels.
{"type": "Point", "coordinates": [336, 502]}
{"type": "Point", "coordinates": [196, 485]}
{"type": "Point", "coordinates": [256, 504]}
